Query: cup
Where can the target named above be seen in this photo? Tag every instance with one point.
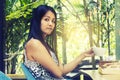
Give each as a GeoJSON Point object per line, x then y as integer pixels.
{"type": "Point", "coordinates": [98, 51]}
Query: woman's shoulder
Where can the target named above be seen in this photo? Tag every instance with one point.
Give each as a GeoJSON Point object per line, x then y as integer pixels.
{"type": "Point", "coordinates": [33, 43]}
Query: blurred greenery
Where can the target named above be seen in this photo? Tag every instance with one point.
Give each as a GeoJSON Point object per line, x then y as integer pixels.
{"type": "Point", "coordinates": [117, 29]}
{"type": "Point", "coordinates": [81, 24]}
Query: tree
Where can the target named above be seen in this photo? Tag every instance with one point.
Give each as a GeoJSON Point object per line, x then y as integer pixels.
{"type": "Point", "coordinates": [61, 25]}
{"type": "Point", "coordinates": [2, 25]}
{"type": "Point", "coordinates": [16, 31]}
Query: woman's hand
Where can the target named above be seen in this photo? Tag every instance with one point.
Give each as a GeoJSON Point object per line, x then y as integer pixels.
{"type": "Point", "coordinates": [88, 53]}
{"type": "Point", "coordinates": [72, 65]}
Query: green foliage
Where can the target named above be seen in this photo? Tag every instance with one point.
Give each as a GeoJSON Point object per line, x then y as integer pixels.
{"type": "Point", "coordinates": [16, 31]}
{"type": "Point", "coordinates": [74, 24]}
{"type": "Point", "coordinates": [23, 11]}
{"type": "Point", "coordinates": [117, 27]}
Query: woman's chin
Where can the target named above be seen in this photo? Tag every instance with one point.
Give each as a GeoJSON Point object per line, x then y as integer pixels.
{"type": "Point", "coordinates": [49, 33]}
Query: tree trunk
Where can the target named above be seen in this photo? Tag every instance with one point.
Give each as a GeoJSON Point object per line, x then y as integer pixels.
{"type": "Point", "coordinates": [63, 36]}
{"type": "Point", "coordinates": [2, 25]}
{"type": "Point", "coordinates": [90, 30]}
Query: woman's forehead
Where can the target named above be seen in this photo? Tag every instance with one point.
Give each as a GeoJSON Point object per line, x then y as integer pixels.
{"type": "Point", "coordinates": [49, 14]}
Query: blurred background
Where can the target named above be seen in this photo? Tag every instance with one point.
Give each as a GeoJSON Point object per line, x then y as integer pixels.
{"type": "Point", "coordinates": [81, 24]}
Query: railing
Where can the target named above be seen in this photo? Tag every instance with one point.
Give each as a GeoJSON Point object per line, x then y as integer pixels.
{"type": "Point", "coordinates": [17, 76]}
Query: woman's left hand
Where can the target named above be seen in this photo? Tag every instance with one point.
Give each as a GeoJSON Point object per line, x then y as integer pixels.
{"type": "Point", "coordinates": [89, 53]}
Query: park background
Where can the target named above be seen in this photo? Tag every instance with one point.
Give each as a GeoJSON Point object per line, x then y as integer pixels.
{"type": "Point", "coordinates": [81, 24]}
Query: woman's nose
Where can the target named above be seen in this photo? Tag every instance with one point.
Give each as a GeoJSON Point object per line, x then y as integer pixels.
{"type": "Point", "coordinates": [50, 23]}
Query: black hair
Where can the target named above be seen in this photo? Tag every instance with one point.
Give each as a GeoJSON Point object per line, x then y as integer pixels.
{"type": "Point", "coordinates": [35, 25]}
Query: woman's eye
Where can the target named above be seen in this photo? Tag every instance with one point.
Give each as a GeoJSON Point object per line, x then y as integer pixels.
{"type": "Point", "coordinates": [53, 21]}
{"type": "Point", "coordinates": [46, 19]}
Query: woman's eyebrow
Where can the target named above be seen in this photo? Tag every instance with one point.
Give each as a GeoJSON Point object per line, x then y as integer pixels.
{"type": "Point", "coordinates": [48, 17]}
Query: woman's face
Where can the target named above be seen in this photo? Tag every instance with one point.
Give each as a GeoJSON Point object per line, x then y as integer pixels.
{"type": "Point", "coordinates": [48, 23]}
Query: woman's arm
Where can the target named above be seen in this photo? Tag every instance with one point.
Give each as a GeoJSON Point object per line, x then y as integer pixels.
{"type": "Point", "coordinates": [36, 51]}
{"type": "Point", "coordinates": [72, 65]}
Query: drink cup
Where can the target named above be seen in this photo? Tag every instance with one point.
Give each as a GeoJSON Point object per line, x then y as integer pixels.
{"type": "Point", "coordinates": [98, 51]}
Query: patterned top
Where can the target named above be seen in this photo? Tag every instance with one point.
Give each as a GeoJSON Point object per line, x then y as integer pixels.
{"type": "Point", "coordinates": [38, 71]}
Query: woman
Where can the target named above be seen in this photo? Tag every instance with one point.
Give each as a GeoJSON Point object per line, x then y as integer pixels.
{"type": "Point", "coordinates": [40, 59]}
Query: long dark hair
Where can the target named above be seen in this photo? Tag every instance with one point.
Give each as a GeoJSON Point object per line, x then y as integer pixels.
{"type": "Point", "coordinates": [35, 25]}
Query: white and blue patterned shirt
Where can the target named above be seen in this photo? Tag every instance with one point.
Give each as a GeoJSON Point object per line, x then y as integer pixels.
{"type": "Point", "coordinates": [38, 71]}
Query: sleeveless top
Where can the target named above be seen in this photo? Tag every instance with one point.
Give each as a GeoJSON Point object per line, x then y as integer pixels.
{"type": "Point", "coordinates": [38, 71]}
